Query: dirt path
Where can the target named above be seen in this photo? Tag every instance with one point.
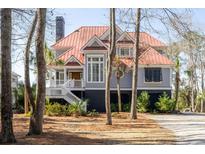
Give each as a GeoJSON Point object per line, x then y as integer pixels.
{"type": "Point", "coordinates": [92, 130]}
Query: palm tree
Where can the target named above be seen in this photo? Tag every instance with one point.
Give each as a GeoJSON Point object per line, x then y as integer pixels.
{"type": "Point", "coordinates": [119, 71]}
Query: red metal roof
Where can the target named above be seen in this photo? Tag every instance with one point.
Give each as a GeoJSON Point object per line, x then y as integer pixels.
{"type": "Point", "coordinates": [77, 39]}
{"type": "Point", "coordinates": [151, 56]}
{"type": "Point", "coordinates": [148, 39]}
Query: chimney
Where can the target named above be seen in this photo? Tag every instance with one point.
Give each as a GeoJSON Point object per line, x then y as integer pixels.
{"type": "Point", "coordinates": [60, 27]}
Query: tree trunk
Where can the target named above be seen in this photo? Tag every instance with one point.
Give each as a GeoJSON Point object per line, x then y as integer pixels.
{"type": "Point", "coordinates": [110, 57]}
{"type": "Point", "coordinates": [36, 120]}
{"type": "Point", "coordinates": [177, 79]}
{"type": "Point", "coordinates": [6, 95]}
{"type": "Point", "coordinates": [28, 97]}
{"type": "Point", "coordinates": [133, 114]}
{"type": "Point", "coordinates": [202, 87]}
{"type": "Point", "coordinates": [119, 95]}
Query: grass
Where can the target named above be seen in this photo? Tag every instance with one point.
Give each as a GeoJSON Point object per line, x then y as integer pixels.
{"type": "Point", "coordinates": [92, 130]}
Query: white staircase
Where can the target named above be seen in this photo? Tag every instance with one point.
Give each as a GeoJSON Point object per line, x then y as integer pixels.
{"type": "Point", "coordinates": [62, 93]}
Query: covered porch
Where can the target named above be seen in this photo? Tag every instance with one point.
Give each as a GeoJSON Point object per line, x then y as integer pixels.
{"type": "Point", "coordinates": [67, 77]}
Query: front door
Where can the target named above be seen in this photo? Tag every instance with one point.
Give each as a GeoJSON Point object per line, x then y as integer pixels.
{"type": "Point", "coordinates": [75, 75]}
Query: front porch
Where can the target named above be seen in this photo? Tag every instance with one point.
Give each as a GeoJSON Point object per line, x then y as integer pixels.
{"type": "Point", "coordinates": [62, 81]}
{"type": "Point", "coordinates": [69, 78]}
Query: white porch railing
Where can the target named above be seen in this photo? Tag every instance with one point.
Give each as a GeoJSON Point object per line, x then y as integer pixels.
{"type": "Point", "coordinates": [67, 84]}
{"type": "Point", "coordinates": [74, 84]}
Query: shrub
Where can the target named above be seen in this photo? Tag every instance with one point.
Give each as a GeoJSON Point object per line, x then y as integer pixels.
{"type": "Point", "coordinates": [78, 108]}
{"type": "Point", "coordinates": [143, 102]}
{"type": "Point", "coordinates": [165, 104]}
{"type": "Point", "coordinates": [57, 109]}
{"type": "Point", "coordinates": [93, 113]}
{"type": "Point", "coordinates": [113, 107]}
{"type": "Point", "coordinates": [126, 107]}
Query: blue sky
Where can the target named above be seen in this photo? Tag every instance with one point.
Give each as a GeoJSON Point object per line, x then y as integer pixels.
{"type": "Point", "coordinates": [74, 18]}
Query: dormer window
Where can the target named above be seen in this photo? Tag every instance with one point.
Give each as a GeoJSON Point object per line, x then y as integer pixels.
{"type": "Point", "coordinates": [125, 52]}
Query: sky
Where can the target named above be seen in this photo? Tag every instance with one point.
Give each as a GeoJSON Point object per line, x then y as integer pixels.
{"type": "Point", "coordinates": [74, 18]}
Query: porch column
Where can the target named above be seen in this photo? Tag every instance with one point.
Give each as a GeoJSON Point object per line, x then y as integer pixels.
{"type": "Point", "coordinates": [50, 79]}
{"type": "Point", "coordinates": [55, 78]}
{"type": "Point", "coordinates": [65, 75]}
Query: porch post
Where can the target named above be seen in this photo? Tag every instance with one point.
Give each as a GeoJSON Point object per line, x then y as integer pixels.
{"type": "Point", "coordinates": [55, 78]}
{"type": "Point", "coordinates": [50, 79]}
{"type": "Point", "coordinates": [64, 74]}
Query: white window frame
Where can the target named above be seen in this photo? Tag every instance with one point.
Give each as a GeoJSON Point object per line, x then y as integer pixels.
{"type": "Point", "coordinates": [119, 51]}
{"type": "Point", "coordinates": [91, 63]}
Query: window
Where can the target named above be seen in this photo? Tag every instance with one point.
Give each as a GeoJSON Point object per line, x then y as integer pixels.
{"type": "Point", "coordinates": [95, 69]}
{"type": "Point", "coordinates": [125, 52]}
{"type": "Point", "coordinates": [153, 74]}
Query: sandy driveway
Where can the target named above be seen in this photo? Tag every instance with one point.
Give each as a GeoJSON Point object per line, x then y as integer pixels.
{"type": "Point", "coordinates": [188, 128]}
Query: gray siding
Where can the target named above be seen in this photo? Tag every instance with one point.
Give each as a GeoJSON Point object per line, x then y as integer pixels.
{"type": "Point", "coordinates": [165, 79]}
{"type": "Point", "coordinates": [126, 81]}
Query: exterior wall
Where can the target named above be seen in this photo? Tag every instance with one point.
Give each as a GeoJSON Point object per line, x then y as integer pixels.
{"type": "Point", "coordinates": [126, 81]}
{"type": "Point", "coordinates": [166, 77]}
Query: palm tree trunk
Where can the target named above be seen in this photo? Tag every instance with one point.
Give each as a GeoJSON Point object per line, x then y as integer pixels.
{"type": "Point", "coordinates": [119, 95]}
{"type": "Point", "coordinates": [28, 97]}
{"type": "Point", "coordinates": [6, 95]}
{"type": "Point", "coordinates": [36, 120]}
{"type": "Point", "coordinates": [110, 57]}
{"type": "Point", "coordinates": [133, 114]}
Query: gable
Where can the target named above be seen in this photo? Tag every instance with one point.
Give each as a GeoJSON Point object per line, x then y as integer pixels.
{"type": "Point", "coordinates": [94, 44]}
{"type": "Point", "coordinates": [125, 38]}
{"type": "Point", "coordinates": [72, 61]}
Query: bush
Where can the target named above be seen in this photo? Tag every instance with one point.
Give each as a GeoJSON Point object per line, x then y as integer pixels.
{"type": "Point", "coordinates": [78, 108]}
{"type": "Point", "coordinates": [114, 107]}
{"type": "Point", "coordinates": [93, 113]}
{"type": "Point", "coordinates": [126, 107]}
{"type": "Point", "coordinates": [165, 104]}
{"type": "Point", "coordinates": [143, 102]}
{"type": "Point", "coordinates": [57, 109]}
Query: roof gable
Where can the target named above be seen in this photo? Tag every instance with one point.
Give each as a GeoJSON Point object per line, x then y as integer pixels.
{"type": "Point", "coordinates": [94, 44]}
{"type": "Point", "coordinates": [125, 38]}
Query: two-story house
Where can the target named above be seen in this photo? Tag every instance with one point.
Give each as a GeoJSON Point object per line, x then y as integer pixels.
{"type": "Point", "coordinates": [84, 53]}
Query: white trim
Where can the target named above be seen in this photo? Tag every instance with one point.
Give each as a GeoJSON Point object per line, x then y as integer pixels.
{"type": "Point", "coordinates": [62, 67]}
{"type": "Point", "coordinates": [95, 52]}
{"type": "Point", "coordinates": [73, 58]}
{"type": "Point", "coordinates": [99, 62]}
{"type": "Point", "coordinates": [141, 88]}
{"type": "Point", "coordinates": [152, 65]}
{"type": "Point", "coordinates": [91, 41]}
